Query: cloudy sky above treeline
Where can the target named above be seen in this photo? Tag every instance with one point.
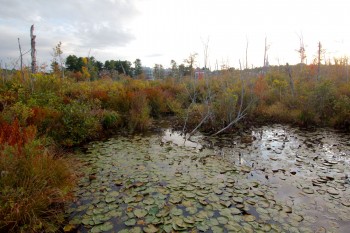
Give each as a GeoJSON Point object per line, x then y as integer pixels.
{"type": "Point", "coordinates": [157, 31]}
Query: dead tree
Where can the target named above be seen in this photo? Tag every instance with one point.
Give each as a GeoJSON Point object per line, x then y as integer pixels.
{"type": "Point", "coordinates": [301, 49]}
{"type": "Point", "coordinates": [21, 59]}
{"type": "Point", "coordinates": [246, 55]}
{"type": "Point", "coordinates": [319, 53]}
{"type": "Point", "coordinates": [266, 57]}
{"type": "Point", "coordinates": [347, 69]}
{"type": "Point", "coordinates": [241, 112]}
{"type": "Point", "coordinates": [33, 50]}
{"type": "Point", "coordinates": [291, 82]}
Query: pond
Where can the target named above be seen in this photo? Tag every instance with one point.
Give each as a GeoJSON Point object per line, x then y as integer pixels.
{"type": "Point", "coordinates": [268, 179]}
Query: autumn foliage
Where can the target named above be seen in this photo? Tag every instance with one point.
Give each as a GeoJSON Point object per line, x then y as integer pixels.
{"type": "Point", "coordinates": [42, 111]}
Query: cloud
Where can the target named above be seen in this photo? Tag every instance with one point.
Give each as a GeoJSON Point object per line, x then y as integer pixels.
{"type": "Point", "coordinates": [80, 24]}
{"type": "Point", "coordinates": [155, 55]}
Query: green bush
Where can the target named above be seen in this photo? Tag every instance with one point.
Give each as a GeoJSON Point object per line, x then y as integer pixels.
{"type": "Point", "coordinates": [110, 120]}
{"type": "Point", "coordinates": [77, 124]}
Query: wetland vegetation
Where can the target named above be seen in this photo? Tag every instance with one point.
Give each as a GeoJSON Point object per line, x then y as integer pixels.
{"type": "Point", "coordinates": [91, 153]}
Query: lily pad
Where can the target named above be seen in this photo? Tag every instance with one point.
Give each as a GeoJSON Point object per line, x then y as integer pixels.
{"type": "Point", "coordinates": [150, 229]}
{"type": "Point", "coordinates": [249, 218]}
{"type": "Point", "coordinates": [175, 199]}
{"type": "Point", "coordinates": [237, 199]}
{"type": "Point", "coordinates": [332, 191]}
{"type": "Point", "coordinates": [107, 226]}
{"type": "Point", "coordinates": [130, 222]}
{"type": "Point", "coordinates": [140, 213]}
{"type": "Point", "coordinates": [148, 201]}
{"type": "Point", "coordinates": [189, 194]}
{"type": "Point", "coordinates": [135, 230]}
{"type": "Point", "coordinates": [217, 229]}
{"type": "Point", "coordinates": [308, 190]}
{"type": "Point", "coordinates": [203, 227]}
{"type": "Point", "coordinates": [176, 212]}
{"type": "Point", "coordinates": [222, 220]}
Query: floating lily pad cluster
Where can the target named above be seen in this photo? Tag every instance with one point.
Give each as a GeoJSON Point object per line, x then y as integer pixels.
{"type": "Point", "coordinates": [146, 184]}
{"type": "Point", "coordinates": [309, 170]}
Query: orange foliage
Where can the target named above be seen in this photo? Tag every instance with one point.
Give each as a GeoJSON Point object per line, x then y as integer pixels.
{"type": "Point", "coordinates": [41, 115]}
{"type": "Point", "coordinates": [260, 87]}
{"type": "Point", "coordinates": [14, 135]}
{"type": "Point", "coordinates": [78, 76]}
{"type": "Point", "coordinates": [312, 70]}
{"type": "Point", "coordinates": [100, 94]}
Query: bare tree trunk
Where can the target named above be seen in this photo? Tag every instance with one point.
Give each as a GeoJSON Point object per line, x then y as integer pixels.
{"type": "Point", "coordinates": [123, 68]}
{"type": "Point", "coordinates": [319, 60]}
{"type": "Point", "coordinates": [21, 59]}
{"type": "Point", "coordinates": [33, 51]}
{"type": "Point", "coordinates": [347, 70]}
{"type": "Point", "coordinates": [291, 82]}
{"type": "Point", "coordinates": [266, 56]}
{"type": "Point", "coordinates": [246, 55]}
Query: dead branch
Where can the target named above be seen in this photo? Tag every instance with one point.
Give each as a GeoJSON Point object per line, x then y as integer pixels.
{"type": "Point", "coordinates": [241, 113]}
{"type": "Point", "coordinates": [21, 59]}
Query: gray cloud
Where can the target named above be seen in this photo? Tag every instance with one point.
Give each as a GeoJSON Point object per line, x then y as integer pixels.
{"type": "Point", "coordinates": [80, 24]}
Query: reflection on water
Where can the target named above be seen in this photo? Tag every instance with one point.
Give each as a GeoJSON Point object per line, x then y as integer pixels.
{"type": "Point", "coordinates": [180, 139]}
{"type": "Point", "coordinates": [295, 163]}
{"type": "Point", "coordinates": [276, 178]}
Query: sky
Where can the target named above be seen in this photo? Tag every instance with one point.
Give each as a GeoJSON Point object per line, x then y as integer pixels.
{"type": "Point", "coordinates": [158, 31]}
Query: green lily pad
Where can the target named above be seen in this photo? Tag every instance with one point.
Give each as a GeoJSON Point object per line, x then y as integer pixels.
{"type": "Point", "coordinates": [113, 194]}
{"type": "Point", "coordinates": [150, 229]}
{"type": "Point", "coordinates": [140, 213]}
{"type": "Point", "coordinates": [192, 210]}
{"type": "Point", "coordinates": [118, 182]}
{"type": "Point", "coordinates": [226, 203]}
{"type": "Point", "coordinates": [110, 199]}
{"type": "Point", "coordinates": [217, 229]}
{"type": "Point", "coordinates": [164, 212]}
{"type": "Point", "coordinates": [218, 191]}
{"type": "Point", "coordinates": [129, 199]}
{"type": "Point", "coordinates": [135, 230]}
{"type": "Point", "coordinates": [96, 229]}
{"type": "Point", "coordinates": [148, 201]}
{"type": "Point", "coordinates": [189, 194]}
{"type": "Point", "coordinates": [259, 193]}
{"type": "Point", "coordinates": [222, 220]}
{"type": "Point", "coordinates": [154, 210]}
{"type": "Point", "coordinates": [176, 211]}
{"type": "Point", "coordinates": [235, 211]}
{"type": "Point", "coordinates": [130, 222]}
{"type": "Point", "coordinates": [345, 203]}
{"type": "Point", "coordinates": [149, 219]}
{"type": "Point", "coordinates": [107, 226]}
{"type": "Point", "coordinates": [332, 191]}
{"type": "Point", "coordinates": [202, 215]}
{"type": "Point", "coordinates": [308, 190]}
{"type": "Point", "coordinates": [203, 227]}
{"type": "Point", "coordinates": [249, 218]}
{"type": "Point", "coordinates": [189, 220]}
{"type": "Point", "coordinates": [237, 199]}
{"type": "Point", "coordinates": [213, 222]}
{"type": "Point", "coordinates": [168, 228]}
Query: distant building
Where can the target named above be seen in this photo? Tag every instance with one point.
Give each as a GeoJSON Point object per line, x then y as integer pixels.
{"type": "Point", "coordinates": [148, 72]}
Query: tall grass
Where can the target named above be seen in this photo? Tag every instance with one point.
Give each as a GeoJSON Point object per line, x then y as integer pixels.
{"type": "Point", "coordinates": [34, 185]}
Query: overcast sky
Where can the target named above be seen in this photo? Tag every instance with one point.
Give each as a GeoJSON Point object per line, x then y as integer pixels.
{"type": "Point", "coordinates": [157, 31]}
